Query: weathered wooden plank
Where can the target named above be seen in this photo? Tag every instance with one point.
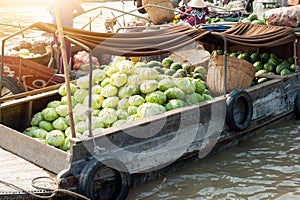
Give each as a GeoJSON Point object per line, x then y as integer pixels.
{"type": "Point", "coordinates": [24, 108]}
{"type": "Point", "coordinates": [33, 150]}
{"type": "Point", "coordinates": [19, 172]}
{"type": "Point", "coordinates": [38, 96]}
{"type": "Point", "coordinates": [30, 93]}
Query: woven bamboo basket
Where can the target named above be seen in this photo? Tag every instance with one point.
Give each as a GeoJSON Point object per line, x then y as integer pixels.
{"type": "Point", "coordinates": [159, 15]}
{"type": "Point", "coordinates": [193, 57]}
{"type": "Point", "coordinates": [239, 74]}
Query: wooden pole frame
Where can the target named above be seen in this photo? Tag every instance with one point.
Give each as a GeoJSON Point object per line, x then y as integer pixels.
{"type": "Point", "coordinates": [62, 42]}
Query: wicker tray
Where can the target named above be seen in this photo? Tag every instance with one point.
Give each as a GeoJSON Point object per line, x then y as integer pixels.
{"type": "Point", "coordinates": [193, 57]}
{"type": "Point", "coordinates": [240, 74]}
{"type": "Point", "coordinates": [159, 15]}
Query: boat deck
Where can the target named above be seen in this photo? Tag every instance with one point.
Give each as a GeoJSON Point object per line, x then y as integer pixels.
{"type": "Point", "coordinates": [19, 172]}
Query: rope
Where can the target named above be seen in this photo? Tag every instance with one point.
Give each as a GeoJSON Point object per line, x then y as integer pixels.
{"type": "Point", "coordinates": [53, 191]}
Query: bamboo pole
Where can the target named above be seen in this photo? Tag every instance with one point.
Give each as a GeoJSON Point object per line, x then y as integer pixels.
{"type": "Point", "coordinates": [65, 62]}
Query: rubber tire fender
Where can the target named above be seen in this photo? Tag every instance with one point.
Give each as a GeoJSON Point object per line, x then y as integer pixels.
{"type": "Point", "coordinates": [85, 185]}
{"type": "Point", "coordinates": [12, 84]}
{"type": "Point", "coordinates": [297, 105]}
{"type": "Point", "coordinates": [239, 95]}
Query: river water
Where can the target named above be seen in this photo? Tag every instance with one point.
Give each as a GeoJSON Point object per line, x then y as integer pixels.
{"type": "Point", "coordinates": [267, 166]}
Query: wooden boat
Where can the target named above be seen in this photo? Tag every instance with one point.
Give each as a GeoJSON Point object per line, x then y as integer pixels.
{"type": "Point", "coordinates": [137, 159]}
{"type": "Point", "coordinates": [107, 163]}
{"type": "Point", "coordinates": [20, 75]}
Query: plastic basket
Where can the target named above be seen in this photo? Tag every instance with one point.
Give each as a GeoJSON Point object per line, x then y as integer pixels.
{"type": "Point", "coordinates": [239, 74]}
{"type": "Point", "coordinates": [159, 15]}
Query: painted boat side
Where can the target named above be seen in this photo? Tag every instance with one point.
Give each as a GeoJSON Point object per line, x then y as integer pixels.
{"type": "Point", "coordinates": [31, 75]}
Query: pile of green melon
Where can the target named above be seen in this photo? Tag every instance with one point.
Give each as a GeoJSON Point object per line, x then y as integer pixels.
{"type": "Point", "coordinates": [176, 69]}
{"type": "Point", "coordinates": [254, 19]}
{"type": "Point", "coordinates": [122, 92]}
{"type": "Point", "coordinates": [265, 63]}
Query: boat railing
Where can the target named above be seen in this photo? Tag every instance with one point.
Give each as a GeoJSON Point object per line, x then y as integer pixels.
{"type": "Point", "coordinates": [150, 25]}
{"type": "Point", "coordinates": [123, 13]}
{"type": "Point", "coordinates": [89, 23]}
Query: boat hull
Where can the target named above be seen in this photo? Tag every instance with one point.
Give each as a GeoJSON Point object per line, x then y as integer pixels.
{"type": "Point", "coordinates": [150, 146]}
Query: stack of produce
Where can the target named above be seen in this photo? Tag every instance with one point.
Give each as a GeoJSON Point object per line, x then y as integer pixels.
{"type": "Point", "coordinates": [266, 63]}
{"type": "Point", "coordinates": [122, 92]}
{"type": "Point", "coordinates": [30, 48]}
{"type": "Point", "coordinates": [284, 16]}
{"type": "Point", "coordinates": [81, 61]}
{"type": "Point", "coordinates": [225, 17]}
{"type": "Point", "coordinates": [24, 53]}
{"type": "Point", "coordinates": [253, 19]}
{"type": "Point", "coordinates": [177, 70]}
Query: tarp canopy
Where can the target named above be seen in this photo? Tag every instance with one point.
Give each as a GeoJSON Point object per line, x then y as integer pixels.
{"type": "Point", "coordinates": [170, 39]}
{"type": "Point", "coordinates": [152, 42]}
{"type": "Point", "coordinates": [256, 35]}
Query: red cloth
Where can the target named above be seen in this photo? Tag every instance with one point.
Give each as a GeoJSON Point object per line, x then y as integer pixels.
{"type": "Point", "coordinates": [196, 13]}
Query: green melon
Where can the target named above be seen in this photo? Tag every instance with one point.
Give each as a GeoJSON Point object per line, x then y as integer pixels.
{"type": "Point", "coordinates": [186, 67]}
{"type": "Point", "coordinates": [176, 66]}
{"type": "Point", "coordinates": [220, 51]}
{"type": "Point", "coordinates": [154, 63]}
{"type": "Point", "coordinates": [159, 69]}
{"type": "Point", "coordinates": [245, 56]}
{"type": "Point", "coordinates": [264, 57]}
{"type": "Point", "coordinates": [140, 65]}
{"type": "Point", "coordinates": [255, 21]}
{"type": "Point", "coordinates": [279, 68]}
{"type": "Point", "coordinates": [291, 60]}
{"type": "Point", "coordinates": [181, 71]}
{"type": "Point", "coordinates": [285, 72]}
{"type": "Point", "coordinates": [262, 71]}
{"type": "Point", "coordinates": [234, 54]}
{"type": "Point", "coordinates": [200, 70]}
{"type": "Point", "coordinates": [170, 72]}
{"type": "Point", "coordinates": [273, 55]}
{"type": "Point", "coordinates": [166, 62]}
{"type": "Point", "coordinates": [246, 20]}
{"type": "Point", "coordinates": [258, 65]}
{"type": "Point", "coordinates": [268, 67]}
{"type": "Point", "coordinates": [273, 61]}
{"type": "Point", "coordinates": [253, 16]}
{"type": "Point", "coordinates": [285, 63]}
{"type": "Point", "coordinates": [292, 67]}
{"type": "Point", "coordinates": [254, 57]}
{"type": "Point", "coordinates": [261, 80]}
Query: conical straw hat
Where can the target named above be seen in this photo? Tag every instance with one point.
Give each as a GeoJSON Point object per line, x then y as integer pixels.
{"type": "Point", "coordinates": [197, 4]}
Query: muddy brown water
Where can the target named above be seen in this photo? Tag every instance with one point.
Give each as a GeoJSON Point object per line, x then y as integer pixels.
{"type": "Point", "coordinates": [266, 166]}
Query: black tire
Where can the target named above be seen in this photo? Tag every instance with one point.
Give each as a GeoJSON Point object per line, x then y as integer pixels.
{"type": "Point", "coordinates": [117, 189]}
{"type": "Point", "coordinates": [239, 110]}
{"type": "Point", "coordinates": [11, 86]}
{"type": "Point", "coordinates": [297, 105]}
